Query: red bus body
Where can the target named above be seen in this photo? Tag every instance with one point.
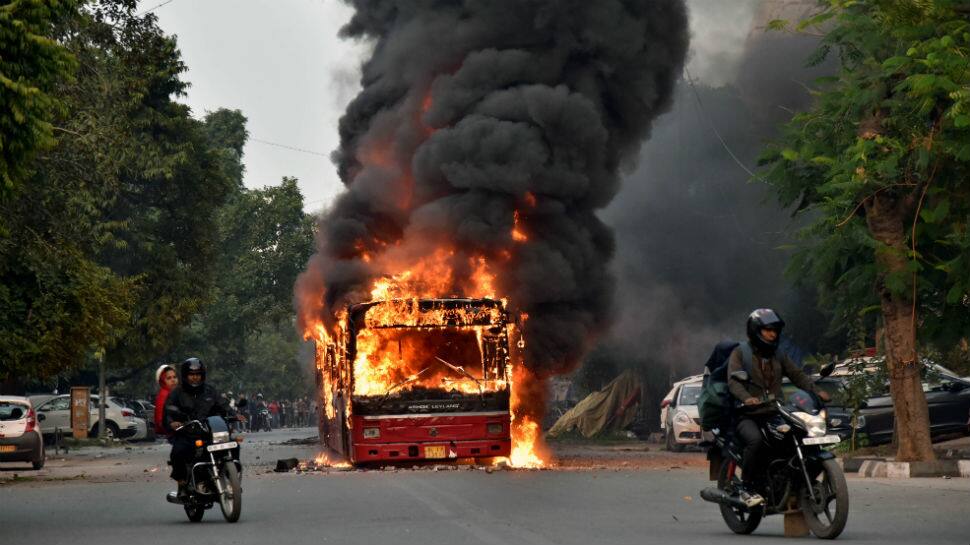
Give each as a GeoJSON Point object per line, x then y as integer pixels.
{"type": "Point", "coordinates": [425, 416]}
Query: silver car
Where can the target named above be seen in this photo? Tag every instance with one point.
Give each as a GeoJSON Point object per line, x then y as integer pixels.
{"type": "Point", "coordinates": [20, 439]}
{"type": "Point", "coordinates": [681, 420]}
{"type": "Point", "coordinates": [54, 413]}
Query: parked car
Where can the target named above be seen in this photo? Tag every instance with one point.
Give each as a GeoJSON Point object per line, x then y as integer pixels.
{"type": "Point", "coordinates": [20, 439]}
{"type": "Point", "coordinates": [55, 412]}
{"type": "Point", "coordinates": [948, 401]}
{"type": "Point", "coordinates": [144, 416]}
{"type": "Point", "coordinates": [680, 420]}
{"type": "Point", "coordinates": [947, 398]}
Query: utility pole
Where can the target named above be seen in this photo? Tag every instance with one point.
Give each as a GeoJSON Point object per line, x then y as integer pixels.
{"type": "Point", "coordinates": [102, 433]}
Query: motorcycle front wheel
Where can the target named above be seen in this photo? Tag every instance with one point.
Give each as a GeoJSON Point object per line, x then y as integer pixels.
{"type": "Point", "coordinates": [739, 521]}
{"type": "Point", "coordinates": [828, 512]}
{"type": "Point", "coordinates": [231, 499]}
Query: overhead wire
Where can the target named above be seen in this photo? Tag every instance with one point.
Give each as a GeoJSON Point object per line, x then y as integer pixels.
{"type": "Point", "coordinates": [149, 10]}
{"type": "Point", "coordinates": [702, 112]}
{"type": "Point", "coordinates": [291, 148]}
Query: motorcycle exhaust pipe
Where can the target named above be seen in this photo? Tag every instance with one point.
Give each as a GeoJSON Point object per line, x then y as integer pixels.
{"type": "Point", "coordinates": [716, 495]}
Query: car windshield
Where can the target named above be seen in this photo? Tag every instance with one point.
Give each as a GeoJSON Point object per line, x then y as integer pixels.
{"type": "Point", "coordinates": [800, 400]}
{"type": "Point", "coordinates": [10, 410]}
{"type": "Point", "coordinates": [689, 395]}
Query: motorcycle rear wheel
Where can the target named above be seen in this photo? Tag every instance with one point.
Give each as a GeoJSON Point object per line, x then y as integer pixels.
{"type": "Point", "coordinates": [194, 512]}
{"type": "Point", "coordinates": [829, 486]}
{"type": "Point", "coordinates": [230, 501]}
{"type": "Point", "coordinates": [738, 520]}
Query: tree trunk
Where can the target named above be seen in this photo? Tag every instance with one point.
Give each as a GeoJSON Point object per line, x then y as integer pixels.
{"type": "Point", "coordinates": [884, 216]}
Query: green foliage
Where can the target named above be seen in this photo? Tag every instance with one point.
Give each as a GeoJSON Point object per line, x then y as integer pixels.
{"type": "Point", "coordinates": [31, 65]}
{"type": "Point", "coordinates": [893, 126]}
{"type": "Point", "coordinates": [112, 241]}
{"type": "Point", "coordinates": [246, 329]}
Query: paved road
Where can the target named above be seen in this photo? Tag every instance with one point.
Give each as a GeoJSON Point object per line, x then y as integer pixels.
{"type": "Point", "coordinates": [456, 507]}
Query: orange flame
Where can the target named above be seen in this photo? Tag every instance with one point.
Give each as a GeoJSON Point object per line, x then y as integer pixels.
{"type": "Point", "coordinates": [324, 459]}
{"type": "Point", "coordinates": [517, 234]}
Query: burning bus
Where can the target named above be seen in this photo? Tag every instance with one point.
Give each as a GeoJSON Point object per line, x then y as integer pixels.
{"type": "Point", "coordinates": [417, 379]}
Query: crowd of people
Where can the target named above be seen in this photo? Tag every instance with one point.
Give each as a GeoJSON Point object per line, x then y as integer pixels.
{"type": "Point", "coordinates": [283, 413]}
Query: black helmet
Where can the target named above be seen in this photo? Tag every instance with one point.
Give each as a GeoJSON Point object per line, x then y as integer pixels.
{"type": "Point", "coordinates": [191, 365]}
{"type": "Point", "coordinates": [764, 318]}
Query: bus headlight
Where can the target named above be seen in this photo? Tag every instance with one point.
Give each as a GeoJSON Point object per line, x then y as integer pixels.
{"type": "Point", "coordinates": [494, 429]}
{"type": "Point", "coordinates": [372, 433]}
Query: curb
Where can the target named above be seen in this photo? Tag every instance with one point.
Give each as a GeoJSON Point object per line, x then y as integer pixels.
{"type": "Point", "coordinates": [854, 465]}
{"type": "Point", "coordinates": [913, 470]}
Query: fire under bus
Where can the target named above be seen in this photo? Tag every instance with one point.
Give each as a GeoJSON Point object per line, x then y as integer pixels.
{"type": "Point", "coordinates": [417, 379]}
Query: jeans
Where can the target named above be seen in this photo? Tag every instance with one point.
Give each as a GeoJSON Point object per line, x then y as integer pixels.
{"type": "Point", "coordinates": [183, 453]}
{"type": "Point", "coordinates": [749, 433]}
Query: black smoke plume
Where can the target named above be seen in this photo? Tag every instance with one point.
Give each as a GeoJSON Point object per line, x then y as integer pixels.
{"type": "Point", "coordinates": [701, 242]}
{"type": "Point", "coordinates": [474, 110]}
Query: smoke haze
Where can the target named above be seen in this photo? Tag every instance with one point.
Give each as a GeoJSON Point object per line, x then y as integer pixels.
{"type": "Point", "coordinates": [697, 238]}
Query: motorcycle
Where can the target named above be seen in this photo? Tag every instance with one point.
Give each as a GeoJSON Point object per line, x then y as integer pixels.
{"type": "Point", "coordinates": [262, 420]}
{"type": "Point", "coordinates": [799, 474]}
{"type": "Point", "coordinates": [215, 474]}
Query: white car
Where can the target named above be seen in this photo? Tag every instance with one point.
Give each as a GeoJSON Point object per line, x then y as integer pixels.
{"type": "Point", "coordinates": [20, 439]}
{"type": "Point", "coordinates": [55, 413]}
{"type": "Point", "coordinates": [680, 420]}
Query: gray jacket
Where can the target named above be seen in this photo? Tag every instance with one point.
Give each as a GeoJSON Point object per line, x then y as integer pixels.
{"type": "Point", "coordinates": [779, 366]}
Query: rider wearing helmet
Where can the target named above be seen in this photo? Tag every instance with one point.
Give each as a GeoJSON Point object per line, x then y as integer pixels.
{"type": "Point", "coordinates": [192, 399]}
{"type": "Point", "coordinates": [768, 367]}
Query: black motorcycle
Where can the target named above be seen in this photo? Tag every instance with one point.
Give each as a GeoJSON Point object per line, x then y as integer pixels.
{"type": "Point", "coordinates": [799, 475]}
{"type": "Point", "coordinates": [215, 473]}
{"type": "Point", "coordinates": [262, 420]}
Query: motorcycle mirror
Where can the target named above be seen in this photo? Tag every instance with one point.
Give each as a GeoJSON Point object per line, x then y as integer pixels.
{"type": "Point", "coordinates": [741, 376]}
{"type": "Point", "coordinates": [827, 369]}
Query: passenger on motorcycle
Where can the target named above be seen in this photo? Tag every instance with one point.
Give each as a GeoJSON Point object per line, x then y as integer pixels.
{"type": "Point", "coordinates": [768, 367]}
{"type": "Point", "coordinates": [192, 399]}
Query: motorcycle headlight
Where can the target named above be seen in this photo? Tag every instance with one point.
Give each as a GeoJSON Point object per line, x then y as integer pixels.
{"type": "Point", "coordinates": [220, 437]}
{"type": "Point", "coordinates": [814, 423]}
{"type": "Point", "coordinates": [682, 418]}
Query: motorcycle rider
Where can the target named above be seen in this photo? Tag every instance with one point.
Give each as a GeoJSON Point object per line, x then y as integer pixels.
{"type": "Point", "coordinates": [192, 399]}
{"type": "Point", "coordinates": [768, 367]}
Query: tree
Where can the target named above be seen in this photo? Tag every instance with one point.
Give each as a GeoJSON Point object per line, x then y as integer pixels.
{"type": "Point", "coordinates": [31, 66]}
{"type": "Point", "coordinates": [246, 328]}
{"type": "Point", "coordinates": [881, 165]}
{"type": "Point", "coordinates": [114, 238]}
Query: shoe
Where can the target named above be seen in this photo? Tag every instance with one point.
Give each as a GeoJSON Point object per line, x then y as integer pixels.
{"type": "Point", "coordinates": [749, 499]}
{"type": "Point", "coordinates": [183, 492]}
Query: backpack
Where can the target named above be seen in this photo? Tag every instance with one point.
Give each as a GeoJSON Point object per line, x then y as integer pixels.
{"type": "Point", "coordinates": [715, 404]}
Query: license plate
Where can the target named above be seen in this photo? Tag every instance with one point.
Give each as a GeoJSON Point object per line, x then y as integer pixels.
{"type": "Point", "coordinates": [434, 452]}
{"type": "Point", "coordinates": [825, 440]}
{"type": "Point", "coordinates": [222, 446]}
{"type": "Point", "coordinates": [8, 448]}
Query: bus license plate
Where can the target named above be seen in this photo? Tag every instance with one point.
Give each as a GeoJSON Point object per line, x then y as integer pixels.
{"type": "Point", "coordinates": [434, 452]}
{"type": "Point", "coordinates": [222, 446]}
{"type": "Point", "coordinates": [826, 440]}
